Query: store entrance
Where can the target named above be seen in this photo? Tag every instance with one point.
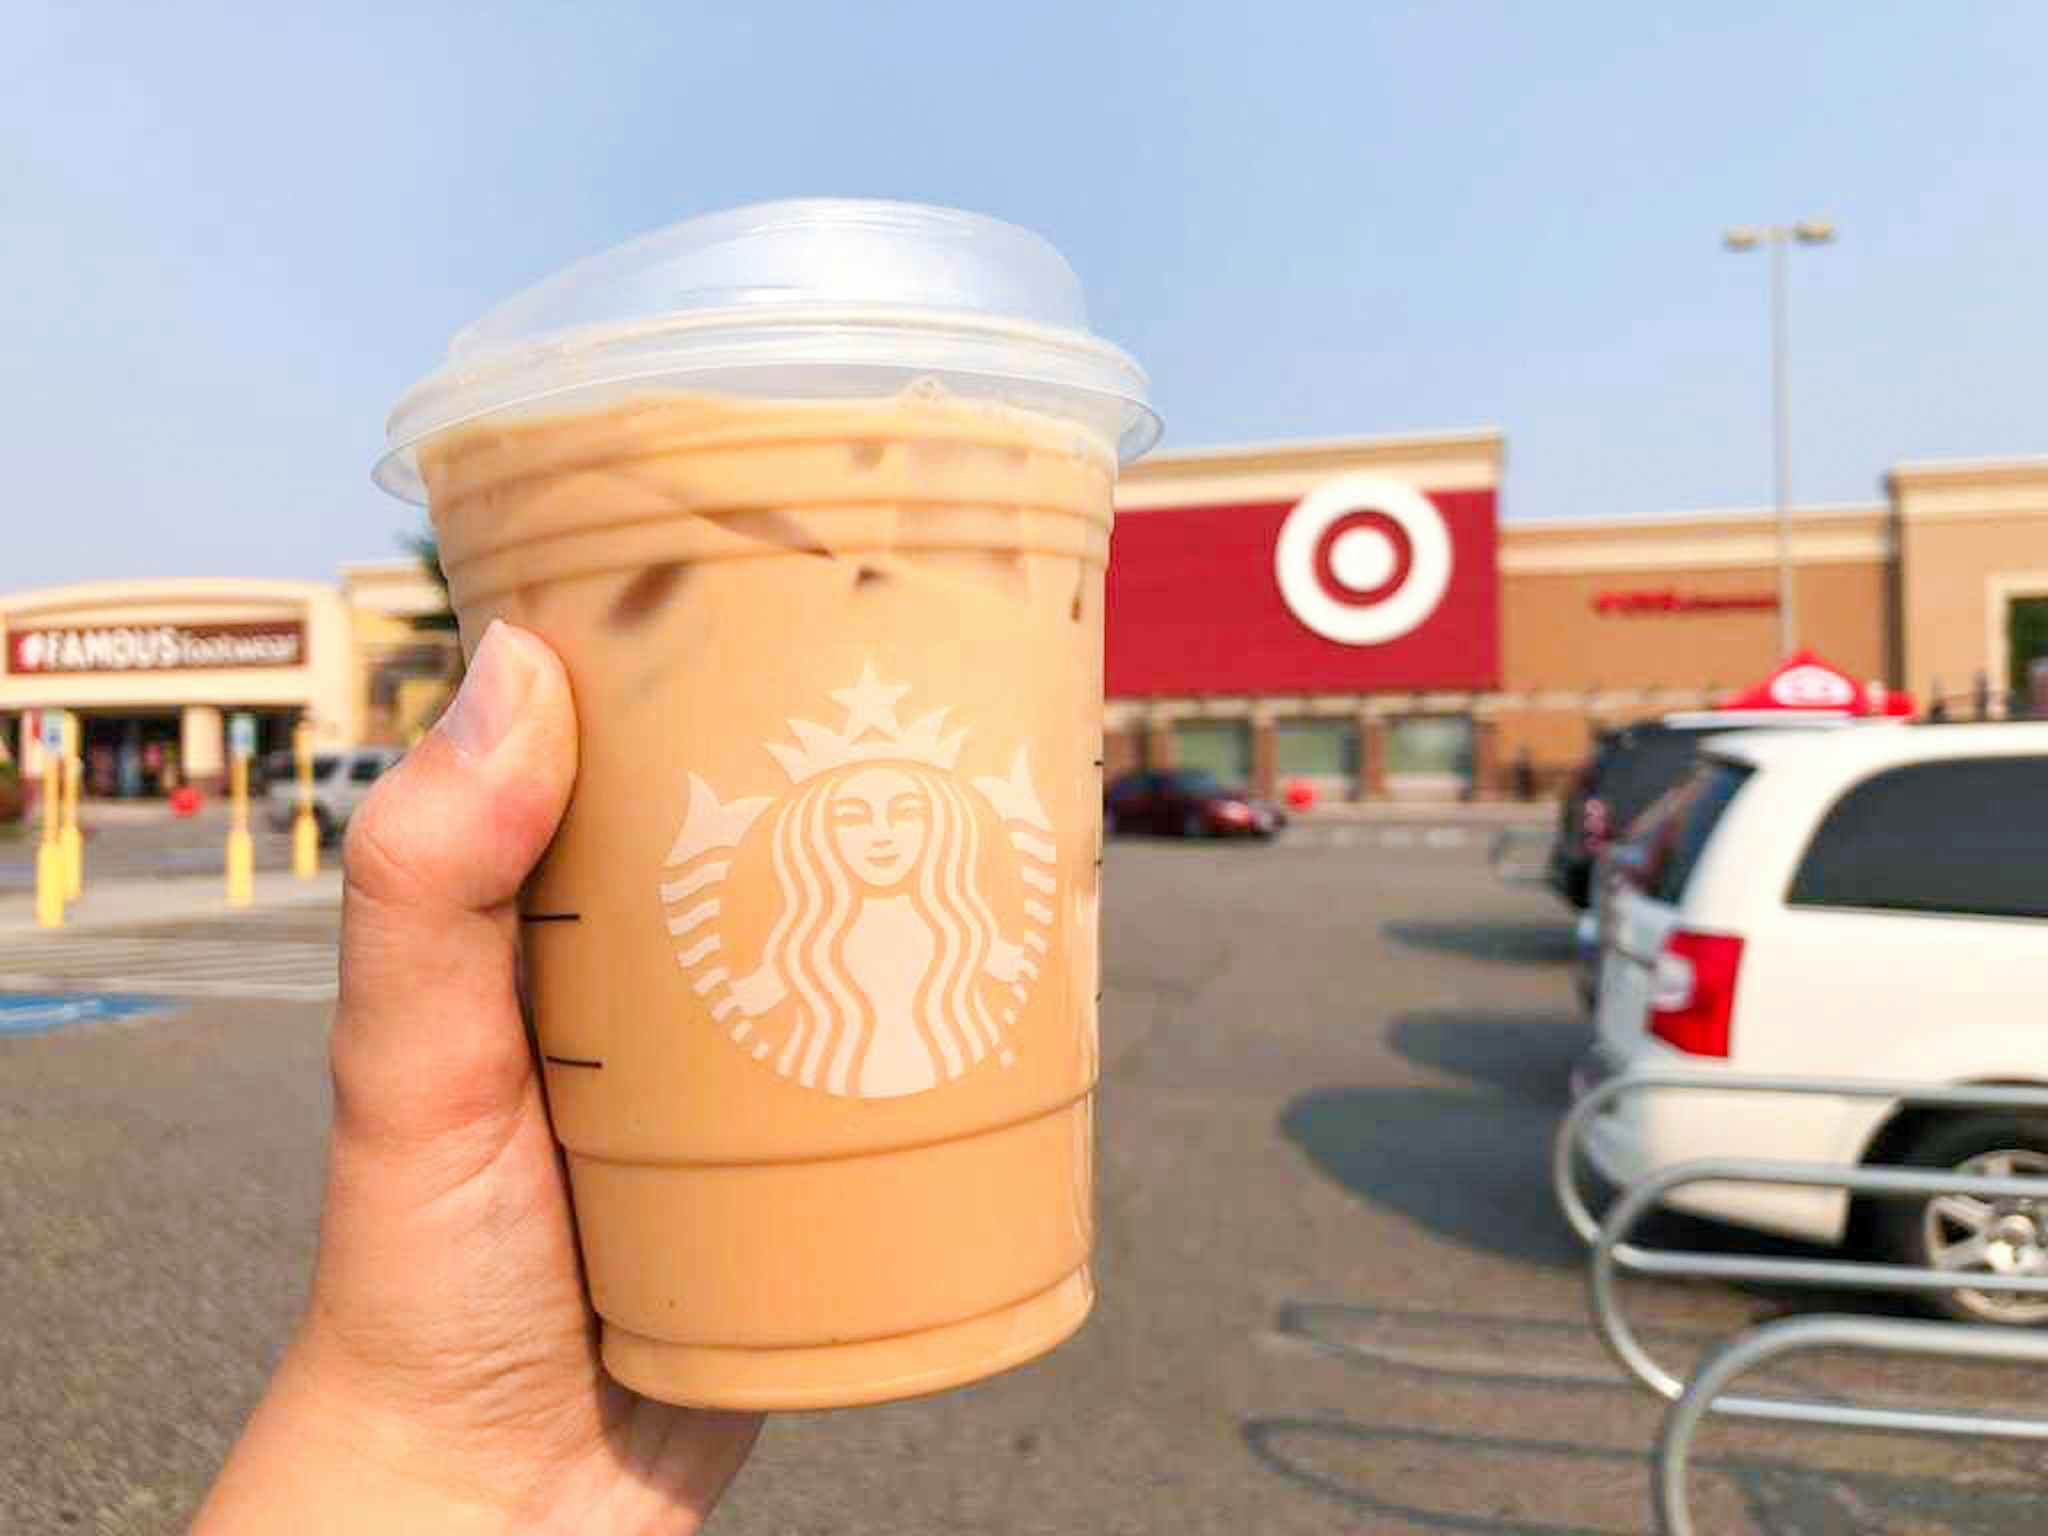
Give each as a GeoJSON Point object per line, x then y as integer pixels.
{"type": "Point", "coordinates": [130, 756]}
{"type": "Point", "coordinates": [140, 754]}
{"type": "Point", "coordinates": [273, 761]}
{"type": "Point", "coordinates": [2026, 638]}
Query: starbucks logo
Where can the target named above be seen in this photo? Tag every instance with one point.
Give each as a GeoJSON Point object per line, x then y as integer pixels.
{"type": "Point", "coordinates": [913, 904]}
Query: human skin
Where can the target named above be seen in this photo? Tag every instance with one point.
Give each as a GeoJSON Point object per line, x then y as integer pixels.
{"type": "Point", "coordinates": [445, 1374]}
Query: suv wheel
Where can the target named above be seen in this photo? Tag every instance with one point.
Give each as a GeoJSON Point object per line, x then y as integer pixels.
{"type": "Point", "coordinates": [1963, 1232]}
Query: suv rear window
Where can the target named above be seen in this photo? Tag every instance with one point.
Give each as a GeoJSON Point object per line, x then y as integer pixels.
{"type": "Point", "coordinates": [1963, 835]}
{"type": "Point", "coordinates": [1707, 798]}
{"type": "Point", "coordinates": [1642, 765]}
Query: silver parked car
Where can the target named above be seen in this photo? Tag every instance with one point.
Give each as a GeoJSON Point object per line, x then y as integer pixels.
{"type": "Point", "coordinates": [340, 781]}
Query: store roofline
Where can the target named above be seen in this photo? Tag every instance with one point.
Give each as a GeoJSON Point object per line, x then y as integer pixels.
{"type": "Point", "coordinates": [1812, 511]}
{"type": "Point", "coordinates": [1222, 455]}
{"type": "Point", "coordinates": [204, 589]}
{"type": "Point", "coordinates": [383, 564]}
{"type": "Point", "coordinates": [1968, 470]}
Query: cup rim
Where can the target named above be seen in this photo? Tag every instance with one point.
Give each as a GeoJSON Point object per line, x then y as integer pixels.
{"type": "Point", "coordinates": [1104, 387]}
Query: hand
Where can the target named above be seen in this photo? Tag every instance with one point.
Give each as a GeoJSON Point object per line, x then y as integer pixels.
{"type": "Point", "coordinates": [445, 1377]}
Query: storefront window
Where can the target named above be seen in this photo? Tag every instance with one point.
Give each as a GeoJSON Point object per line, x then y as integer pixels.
{"type": "Point", "coordinates": [1320, 750]}
{"type": "Point", "coordinates": [1224, 747]}
{"type": "Point", "coordinates": [1429, 754]}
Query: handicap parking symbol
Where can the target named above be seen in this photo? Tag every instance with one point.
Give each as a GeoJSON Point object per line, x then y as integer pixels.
{"type": "Point", "coordinates": [31, 1013]}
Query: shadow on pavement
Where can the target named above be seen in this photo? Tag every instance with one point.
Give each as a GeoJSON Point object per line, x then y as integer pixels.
{"type": "Point", "coordinates": [1472, 1164]}
{"type": "Point", "coordinates": [1418, 1475]}
{"type": "Point", "coordinates": [1468, 1166]}
{"type": "Point", "coordinates": [1506, 941]}
{"type": "Point", "coordinates": [1525, 1055]}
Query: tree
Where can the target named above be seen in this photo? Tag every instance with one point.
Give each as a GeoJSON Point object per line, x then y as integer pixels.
{"type": "Point", "coordinates": [410, 682]}
{"type": "Point", "coordinates": [427, 550]}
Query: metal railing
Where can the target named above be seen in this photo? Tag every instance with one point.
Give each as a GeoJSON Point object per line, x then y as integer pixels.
{"type": "Point", "coordinates": [1707, 1393]}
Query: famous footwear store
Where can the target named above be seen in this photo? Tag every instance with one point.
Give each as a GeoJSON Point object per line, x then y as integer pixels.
{"type": "Point", "coordinates": [152, 669]}
{"type": "Point", "coordinates": [1354, 613]}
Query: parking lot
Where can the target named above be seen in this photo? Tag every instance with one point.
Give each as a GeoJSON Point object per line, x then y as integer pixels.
{"type": "Point", "coordinates": [1335, 1294]}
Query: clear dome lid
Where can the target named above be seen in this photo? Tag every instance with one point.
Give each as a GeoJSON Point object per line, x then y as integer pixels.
{"type": "Point", "coordinates": [812, 298]}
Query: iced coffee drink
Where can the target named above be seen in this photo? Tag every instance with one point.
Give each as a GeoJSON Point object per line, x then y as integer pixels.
{"type": "Point", "coordinates": [813, 957]}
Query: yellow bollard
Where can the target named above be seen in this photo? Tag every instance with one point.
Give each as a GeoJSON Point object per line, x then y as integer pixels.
{"type": "Point", "coordinates": [241, 851]}
{"type": "Point", "coordinates": [305, 829]}
{"type": "Point", "coordinates": [71, 845]}
{"type": "Point", "coordinates": [49, 852]}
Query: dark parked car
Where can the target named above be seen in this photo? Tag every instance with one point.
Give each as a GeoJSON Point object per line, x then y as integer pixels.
{"type": "Point", "coordinates": [1186, 802]}
{"type": "Point", "coordinates": [1629, 770]}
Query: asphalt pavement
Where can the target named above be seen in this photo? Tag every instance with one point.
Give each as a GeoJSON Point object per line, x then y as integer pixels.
{"type": "Point", "coordinates": [1334, 1294]}
{"type": "Point", "coordinates": [141, 839]}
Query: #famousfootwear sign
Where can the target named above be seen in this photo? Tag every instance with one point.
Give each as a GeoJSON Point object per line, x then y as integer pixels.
{"type": "Point", "coordinates": [43, 649]}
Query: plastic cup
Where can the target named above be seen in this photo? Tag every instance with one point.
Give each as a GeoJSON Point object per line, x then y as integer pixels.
{"type": "Point", "coordinates": [813, 500]}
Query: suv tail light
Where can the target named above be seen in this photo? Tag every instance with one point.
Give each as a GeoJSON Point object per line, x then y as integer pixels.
{"type": "Point", "coordinates": [1692, 991]}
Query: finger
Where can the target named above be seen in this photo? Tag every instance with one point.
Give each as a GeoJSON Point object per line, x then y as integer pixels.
{"type": "Point", "coordinates": [428, 1038]}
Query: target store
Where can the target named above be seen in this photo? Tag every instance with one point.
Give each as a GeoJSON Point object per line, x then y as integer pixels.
{"type": "Point", "coordinates": [1357, 613]}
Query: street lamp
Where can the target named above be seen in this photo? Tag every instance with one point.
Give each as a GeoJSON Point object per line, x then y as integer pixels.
{"type": "Point", "coordinates": [1777, 237]}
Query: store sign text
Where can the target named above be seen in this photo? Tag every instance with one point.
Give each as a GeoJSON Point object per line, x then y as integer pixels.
{"type": "Point", "coordinates": [1668, 600]}
{"type": "Point", "coordinates": [155, 647]}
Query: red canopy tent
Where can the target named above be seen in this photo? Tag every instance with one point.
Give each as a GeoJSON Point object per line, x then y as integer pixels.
{"type": "Point", "coordinates": [1806, 684]}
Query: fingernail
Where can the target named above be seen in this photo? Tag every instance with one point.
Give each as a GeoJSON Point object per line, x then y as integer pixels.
{"type": "Point", "coordinates": [493, 693]}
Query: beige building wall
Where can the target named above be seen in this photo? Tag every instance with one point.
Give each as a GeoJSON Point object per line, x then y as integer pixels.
{"type": "Point", "coordinates": [1568, 668]}
{"type": "Point", "coordinates": [202, 743]}
{"type": "Point", "coordinates": [1554, 635]}
{"type": "Point", "coordinates": [1973, 536]}
{"type": "Point", "coordinates": [399, 589]}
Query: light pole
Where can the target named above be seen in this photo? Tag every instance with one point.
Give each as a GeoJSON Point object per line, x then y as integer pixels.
{"type": "Point", "coordinates": [1776, 238]}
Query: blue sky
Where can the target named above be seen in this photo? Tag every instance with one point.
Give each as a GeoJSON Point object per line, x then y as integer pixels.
{"type": "Point", "coordinates": [231, 235]}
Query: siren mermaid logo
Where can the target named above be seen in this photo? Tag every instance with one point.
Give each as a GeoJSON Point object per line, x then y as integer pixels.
{"type": "Point", "coordinates": [894, 963]}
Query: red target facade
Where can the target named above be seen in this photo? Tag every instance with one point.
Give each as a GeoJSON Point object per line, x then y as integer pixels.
{"type": "Point", "coordinates": [1325, 612]}
{"type": "Point", "coordinates": [1258, 598]}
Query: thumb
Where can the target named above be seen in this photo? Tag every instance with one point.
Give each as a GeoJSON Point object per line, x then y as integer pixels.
{"type": "Point", "coordinates": [428, 1039]}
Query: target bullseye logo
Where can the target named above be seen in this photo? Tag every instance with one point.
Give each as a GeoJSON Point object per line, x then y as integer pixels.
{"type": "Point", "coordinates": [1362, 559]}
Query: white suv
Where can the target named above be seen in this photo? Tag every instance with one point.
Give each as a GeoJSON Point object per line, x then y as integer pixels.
{"type": "Point", "coordinates": [341, 781]}
{"type": "Point", "coordinates": [1847, 904]}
